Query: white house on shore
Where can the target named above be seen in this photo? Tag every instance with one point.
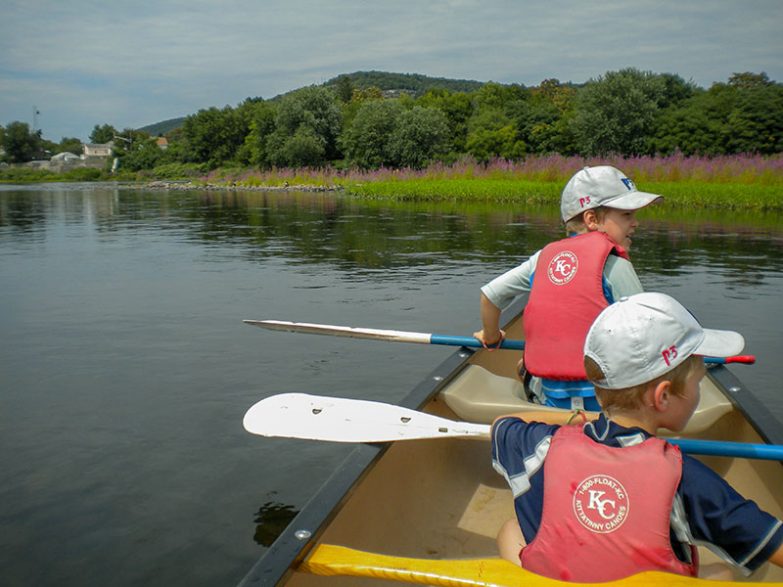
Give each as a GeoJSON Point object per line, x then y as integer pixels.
{"type": "Point", "coordinates": [98, 149]}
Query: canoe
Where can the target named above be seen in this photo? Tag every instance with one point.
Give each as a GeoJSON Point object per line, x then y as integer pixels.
{"type": "Point", "coordinates": [428, 511]}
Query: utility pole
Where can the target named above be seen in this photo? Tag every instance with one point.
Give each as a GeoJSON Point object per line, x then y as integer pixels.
{"type": "Point", "coordinates": [35, 117]}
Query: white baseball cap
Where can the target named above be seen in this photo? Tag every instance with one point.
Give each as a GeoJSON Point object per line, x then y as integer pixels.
{"type": "Point", "coordinates": [604, 185]}
{"type": "Point", "coordinates": [646, 335]}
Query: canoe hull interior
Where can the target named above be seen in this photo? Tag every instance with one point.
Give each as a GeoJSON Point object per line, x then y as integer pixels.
{"type": "Point", "coordinates": [442, 499]}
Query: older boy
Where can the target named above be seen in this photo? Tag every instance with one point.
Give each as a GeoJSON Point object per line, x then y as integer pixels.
{"type": "Point", "coordinates": [575, 279]}
{"type": "Point", "coordinates": [609, 499]}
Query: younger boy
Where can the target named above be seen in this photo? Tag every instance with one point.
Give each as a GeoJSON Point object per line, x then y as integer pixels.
{"type": "Point", "coordinates": [606, 500]}
{"type": "Point", "coordinates": [575, 279]}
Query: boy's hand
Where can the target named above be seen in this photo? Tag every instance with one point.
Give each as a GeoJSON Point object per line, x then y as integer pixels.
{"type": "Point", "coordinates": [491, 341]}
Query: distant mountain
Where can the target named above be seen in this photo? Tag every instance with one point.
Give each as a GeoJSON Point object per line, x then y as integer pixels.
{"type": "Point", "coordinates": [413, 83]}
{"type": "Point", "coordinates": [161, 128]}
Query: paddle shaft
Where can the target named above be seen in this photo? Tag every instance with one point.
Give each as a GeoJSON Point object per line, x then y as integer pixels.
{"type": "Point", "coordinates": [311, 417]}
{"type": "Point", "coordinates": [420, 337]}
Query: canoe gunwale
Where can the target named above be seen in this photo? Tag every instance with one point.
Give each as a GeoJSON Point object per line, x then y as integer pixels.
{"type": "Point", "coordinates": [768, 427]}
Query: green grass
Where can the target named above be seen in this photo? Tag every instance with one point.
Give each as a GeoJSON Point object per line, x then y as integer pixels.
{"type": "Point", "coordinates": [677, 194]}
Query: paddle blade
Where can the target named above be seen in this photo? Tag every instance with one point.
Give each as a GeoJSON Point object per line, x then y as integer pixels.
{"type": "Point", "coordinates": [300, 415]}
{"type": "Point", "coordinates": [347, 331]}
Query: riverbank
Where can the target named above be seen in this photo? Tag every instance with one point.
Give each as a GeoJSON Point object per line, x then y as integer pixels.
{"type": "Point", "coordinates": [747, 182]}
{"type": "Point", "coordinates": [679, 195]}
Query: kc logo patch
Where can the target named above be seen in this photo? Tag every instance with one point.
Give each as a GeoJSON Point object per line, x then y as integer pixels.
{"type": "Point", "coordinates": [601, 504]}
{"type": "Point", "coordinates": [562, 268]}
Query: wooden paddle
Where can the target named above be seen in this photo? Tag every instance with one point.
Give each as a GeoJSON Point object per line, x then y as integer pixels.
{"type": "Point", "coordinates": [421, 337]}
{"type": "Point", "coordinates": [334, 419]}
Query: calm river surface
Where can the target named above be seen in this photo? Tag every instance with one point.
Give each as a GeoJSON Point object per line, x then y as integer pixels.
{"type": "Point", "coordinates": [125, 368]}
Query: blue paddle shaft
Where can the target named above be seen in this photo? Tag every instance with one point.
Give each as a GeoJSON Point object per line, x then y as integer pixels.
{"type": "Point", "coordinates": [519, 345]}
{"type": "Point", "coordinates": [469, 341]}
{"type": "Point", "coordinates": [770, 452]}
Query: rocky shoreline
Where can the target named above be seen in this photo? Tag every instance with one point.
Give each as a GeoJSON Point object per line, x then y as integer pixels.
{"type": "Point", "coordinates": [185, 185]}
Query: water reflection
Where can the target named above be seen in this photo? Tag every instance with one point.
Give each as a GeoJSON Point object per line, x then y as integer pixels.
{"type": "Point", "coordinates": [122, 316]}
{"type": "Point", "coordinates": [272, 518]}
{"type": "Point", "coordinates": [327, 228]}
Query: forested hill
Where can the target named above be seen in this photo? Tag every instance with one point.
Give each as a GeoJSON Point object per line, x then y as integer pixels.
{"type": "Point", "coordinates": [162, 127]}
{"type": "Point", "coordinates": [414, 83]}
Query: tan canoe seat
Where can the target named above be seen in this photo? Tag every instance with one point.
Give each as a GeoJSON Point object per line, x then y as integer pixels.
{"type": "Point", "coordinates": [478, 395]}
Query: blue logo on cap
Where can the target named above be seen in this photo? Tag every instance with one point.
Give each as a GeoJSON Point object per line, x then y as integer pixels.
{"type": "Point", "coordinates": [628, 183]}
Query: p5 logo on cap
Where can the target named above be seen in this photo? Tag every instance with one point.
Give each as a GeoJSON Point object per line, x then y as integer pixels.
{"type": "Point", "coordinates": [584, 201]}
{"type": "Point", "coordinates": [669, 354]}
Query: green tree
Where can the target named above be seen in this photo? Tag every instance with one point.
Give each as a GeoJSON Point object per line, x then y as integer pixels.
{"type": "Point", "coordinates": [617, 113]}
{"type": "Point", "coordinates": [358, 98]}
{"type": "Point", "coordinates": [755, 123]}
{"type": "Point", "coordinates": [366, 141]}
{"type": "Point", "coordinates": [145, 154]}
{"type": "Point", "coordinates": [420, 135]}
{"type": "Point", "coordinates": [301, 115]}
{"type": "Point", "coordinates": [304, 149]}
{"type": "Point", "coordinates": [742, 116]}
{"type": "Point", "coordinates": [261, 125]}
{"type": "Point", "coordinates": [690, 130]}
{"type": "Point", "coordinates": [485, 144]}
{"type": "Point", "coordinates": [543, 119]}
{"type": "Point", "coordinates": [749, 80]}
{"type": "Point", "coordinates": [458, 108]}
{"type": "Point", "coordinates": [102, 134]}
{"type": "Point", "coordinates": [344, 88]}
{"type": "Point", "coordinates": [213, 136]}
{"type": "Point", "coordinates": [20, 144]}
{"type": "Point", "coordinates": [492, 134]}
{"type": "Point", "coordinates": [71, 145]}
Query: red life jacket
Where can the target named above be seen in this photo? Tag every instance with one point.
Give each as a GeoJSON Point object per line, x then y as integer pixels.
{"type": "Point", "coordinates": [566, 297]}
{"type": "Point", "coordinates": [606, 510]}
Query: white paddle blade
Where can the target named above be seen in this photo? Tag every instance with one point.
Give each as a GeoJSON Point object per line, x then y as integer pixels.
{"type": "Point", "coordinates": [312, 417]}
{"type": "Point", "coordinates": [347, 331]}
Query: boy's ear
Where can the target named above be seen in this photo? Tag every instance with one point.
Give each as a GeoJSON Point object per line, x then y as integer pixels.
{"type": "Point", "coordinates": [590, 219]}
{"type": "Point", "coordinates": [661, 395]}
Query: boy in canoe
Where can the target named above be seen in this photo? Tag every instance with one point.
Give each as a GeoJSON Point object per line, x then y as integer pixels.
{"type": "Point", "coordinates": [575, 278]}
{"type": "Point", "coordinates": [608, 499]}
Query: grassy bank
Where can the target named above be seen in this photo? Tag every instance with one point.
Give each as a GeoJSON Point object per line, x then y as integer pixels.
{"type": "Point", "coordinates": [682, 194]}
{"type": "Point", "coordinates": [742, 182]}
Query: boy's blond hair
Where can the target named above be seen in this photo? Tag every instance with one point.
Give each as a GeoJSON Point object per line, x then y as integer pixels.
{"type": "Point", "coordinates": [631, 398]}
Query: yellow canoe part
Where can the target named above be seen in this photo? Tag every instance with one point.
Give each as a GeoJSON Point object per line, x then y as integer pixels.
{"type": "Point", "coordinates": [330, 560]}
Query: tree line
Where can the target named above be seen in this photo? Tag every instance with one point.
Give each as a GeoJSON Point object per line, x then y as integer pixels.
{"type": "Point", "coordinates": [627, 112]}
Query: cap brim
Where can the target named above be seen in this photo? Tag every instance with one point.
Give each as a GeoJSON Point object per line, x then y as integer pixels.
{"type": "Point", "coordinates": [632, 201]}
{"type": "Point", "coordinates": [720, 343]}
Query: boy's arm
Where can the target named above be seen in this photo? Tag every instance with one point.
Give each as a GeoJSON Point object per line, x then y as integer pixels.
{"type": "Point", "coordinates": [498, 293]}
{"type": "Point", "coordinates": [777, 557]}
{"type": "Point", "coordinates": [622, 277]}
{"type": "Point", "coordinates": [490, 332]}
{"type": "Point", "coordinates": [559, 417]}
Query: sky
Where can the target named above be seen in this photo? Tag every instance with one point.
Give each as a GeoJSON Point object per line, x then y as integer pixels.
{"type": "Point", "coordinates": [81, 63]}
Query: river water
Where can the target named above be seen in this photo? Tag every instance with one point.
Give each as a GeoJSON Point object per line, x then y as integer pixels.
{"type": "Point", "coordinates": [125, 368]}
